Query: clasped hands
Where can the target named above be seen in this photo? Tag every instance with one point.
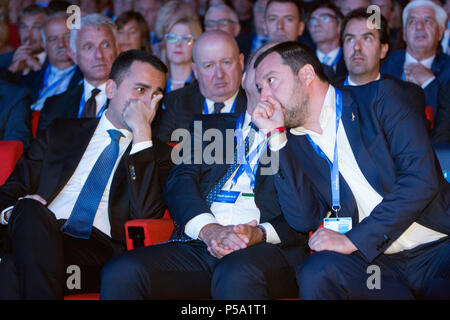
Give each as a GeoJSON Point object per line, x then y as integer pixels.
{"type": "Point", "coordinates": [222, 240]}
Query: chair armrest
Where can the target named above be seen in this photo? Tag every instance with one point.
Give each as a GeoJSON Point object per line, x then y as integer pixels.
{"type": "Point", "coordinates": [146, 232]}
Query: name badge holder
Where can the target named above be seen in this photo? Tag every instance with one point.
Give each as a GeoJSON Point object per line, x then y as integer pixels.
{"type": "Point", "coordinates": [337, 224]}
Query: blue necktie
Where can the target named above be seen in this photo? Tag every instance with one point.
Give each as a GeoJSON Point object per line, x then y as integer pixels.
{"type": "Point", "coordinates": [211, 197]}
{"type": "Point", "coordinates": [79, 224]}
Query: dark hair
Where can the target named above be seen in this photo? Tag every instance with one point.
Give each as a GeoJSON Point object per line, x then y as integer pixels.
{"type": "Point", "coordinates": [124, 61]}
{"type": "Point", "coordinates": [325, 4]}
{"type": "Point", "coordinates": [362, 14]}
{"type": "Point", "coordinates": [31, 10]}
{"type": "Point", "coordinates": [295, 55]}
{"type": "Point", "coordinates": [57, 6]}
{"type": "Point", "coordinates": [297, 3]}
{"type": "Point", "coordinates": [128, 16]}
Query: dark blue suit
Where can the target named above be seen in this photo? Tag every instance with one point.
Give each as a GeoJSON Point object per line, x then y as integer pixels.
{"type": "Point", "coordinates": [440, 68]}
{"type": "Point", "coordinates": [391, 146]}
{"type": "Point", "coordinates": [184, 269]}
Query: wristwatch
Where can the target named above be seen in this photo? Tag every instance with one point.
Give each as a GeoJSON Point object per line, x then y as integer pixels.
{"type": "Point", "coordinates": [264, 232]}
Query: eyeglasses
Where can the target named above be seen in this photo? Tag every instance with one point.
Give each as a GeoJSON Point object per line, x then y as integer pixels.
{"type": "Point", "coordinates": [324, 18]}
{"type": "Point", "coordinates": [222, 22]}
{"type": "Point", "coordinates": [173, 38]}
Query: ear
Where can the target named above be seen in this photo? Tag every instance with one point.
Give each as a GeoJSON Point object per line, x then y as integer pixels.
{"type": "Point", "coordinates": [194, 69]}
{"type": "Point", "coordinates": [111, 89]}
{"type": "Point", "coordinates": [301, 28]}
{"type": "Point", "coordinates": [306, 74]}
{"type": "Point", "coordinates": [241, 60]}
{"type": "Point", "coordinates": [384, 50]}
{"type": "Point", "coordinates": [441, 32]}
{"type": "Point", "coordinates": [237, 29]}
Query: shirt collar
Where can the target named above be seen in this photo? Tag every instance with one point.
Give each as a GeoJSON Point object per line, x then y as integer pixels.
{"type": "Point", "coordinates": [326, 117]}
{"type": "Point", "coordinates": [426, 62]}
{"type": "Point", "coordinates": [351, 83]}
{"type": "Point", "coordinates": [89, 87]}
{"type": "Point", "coordinates": [332, 54]}
{"type": "Point", "coordinates": [104, 125]}
{"type": "Point", "coordinates": [228, 103]}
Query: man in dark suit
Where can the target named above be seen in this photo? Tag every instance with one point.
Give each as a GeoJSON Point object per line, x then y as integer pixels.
{"type": "Point", "coordinates": [15, 115]}
{"type": "Point", "coordinates": [93, 49]}
{"type": "Point", "coordinates": [441, 130]}
{"type": "Point", "coordinates": [390, 197]}
{"type": "Point", "coordinates": [422, 63]}
{"type": "Point", "coordinates": [218, 69]}
{"type": "Point", "coordinates": [240, 248]}
{"type": "Point", "coordinates": [58, 73]}
{"type": "Point", "coordinates": [79, 183]}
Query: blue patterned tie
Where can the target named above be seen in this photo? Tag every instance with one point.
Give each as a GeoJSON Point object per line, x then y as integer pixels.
{"type": "Point", "coordinates": [79, 224]}
{"type": "Point", "coordinates": [211, 197]}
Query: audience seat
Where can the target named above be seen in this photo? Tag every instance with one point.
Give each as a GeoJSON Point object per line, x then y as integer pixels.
{"type": "Point", "coordinates": [34, 122]}
{"type": "Point", "coordinates": [10, 152]}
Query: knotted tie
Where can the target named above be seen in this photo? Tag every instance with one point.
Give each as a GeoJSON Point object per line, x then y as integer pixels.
{"type": "Point", "coordinates": [79, 224]}
{"type": "Point", "coordinates": [211, 197]}
{"type": "Point", "coordinates": [90, 109]}
{"type": "Point", "coordinates": [218, 106]}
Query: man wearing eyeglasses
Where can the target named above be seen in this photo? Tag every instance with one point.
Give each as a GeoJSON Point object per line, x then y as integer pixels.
{"type": "Point", "coordinates": [324, 22]}
{"type": "Point", "coordinates": [222, 17]}
{"type": "Point", "coordinates": [218, 69]}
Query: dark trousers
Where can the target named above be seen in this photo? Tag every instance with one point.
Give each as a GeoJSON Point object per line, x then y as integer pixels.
{"type": "Point", "coordinates": [38, 266]}
{"type": "Point", "coordinates": [419, 273]}
{"type": "Point", "coordinates": [186, 270]}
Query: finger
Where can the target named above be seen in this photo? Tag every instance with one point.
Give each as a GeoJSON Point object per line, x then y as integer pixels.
{"type": "Point", "coordinates": [233, 241]}
{"type": "Point", "coordinates": [253, 223]}
{"type": "Point", "coordinates": [154, 103]}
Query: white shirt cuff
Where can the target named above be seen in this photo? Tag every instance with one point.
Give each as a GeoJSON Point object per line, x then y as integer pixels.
{"type": "Point", "coordinates": [277, 146]}
{"type": "Point", "coordinates": [272, 235]}
{"type": "Point", "coordinates": [427, 82]}
{"type": "Point", "coordinates": [141, 146]}
{"type": "Point", "coordinates": [196, 224]}
{"type": "Point", "coordinates": [2, 215]}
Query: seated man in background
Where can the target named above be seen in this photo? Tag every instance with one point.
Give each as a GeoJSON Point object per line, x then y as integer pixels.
{"type": "Point", "coordinates": [422, 62]}
{"type": "Point", "coordinates": [30, 56]}
{"type": "Point", "coordinates": [78, 184]}
{"type": "Point", "coordinates": [238, 249]}
{"type": "Point", "coordinates": [59, 73]}
{"type": "Point", "coordinates": [15, 115]}
{"type": "Point", "coordinates": [384, 184]}
{"type": "Point", "coordinates": [218, 69]}
{"type": "Point", "coordinates": [284, 20]}
{"type": "Point", "coordinates": [93, 48]}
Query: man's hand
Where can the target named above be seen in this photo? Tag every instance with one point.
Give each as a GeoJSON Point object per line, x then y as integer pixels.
{"type": "Point", "coordinates": [417, 73]}
{"type": "Point", "coordinates": [268, 115]}
{"type": "Point", "coordinates": [138, 117]}
{"type": "Point", "coordinates": [325, 239]}
{"type": "Point", "coordinates": [35, 197]}
{"type": "Point", "coordinates": [23, 57]}
{"type": "Point", "coordinates": [221, 240]}
{"type": "Point", "coordinates": [249, 232]}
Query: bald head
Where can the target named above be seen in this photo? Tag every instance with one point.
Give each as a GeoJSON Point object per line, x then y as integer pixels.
{"type": "Point", "coordinates": [217, 65]}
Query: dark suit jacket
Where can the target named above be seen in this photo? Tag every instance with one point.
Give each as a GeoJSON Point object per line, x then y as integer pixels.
{"type": "Point", "coordinates": [15, 115]}
{"type": "Point", "coordinates": [64, 105]}
{"type": "Point", "coordinates": [440, 68]}
{"type": "Point", "coordinates": [189, 184]}
{"type": "Point", "coordinates": [181, 105]}
{"type": "Point", "coordinates": [441, 131]}
{"type": "Point", "coordinates": [392, 148]}
{"type": "Point", "coordinates": [35, 80]}
{"type": "Point", "coordinates": [341, 70]}
{"type": "Point", "coordinates": [52, 159]}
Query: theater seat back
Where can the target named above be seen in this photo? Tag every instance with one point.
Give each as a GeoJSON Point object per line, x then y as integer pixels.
{"type": "Point", "coordinates": [10, 152]}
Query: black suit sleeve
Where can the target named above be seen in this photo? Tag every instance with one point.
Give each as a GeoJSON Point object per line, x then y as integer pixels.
{"type": "Point", "coordinates": [441, 131]}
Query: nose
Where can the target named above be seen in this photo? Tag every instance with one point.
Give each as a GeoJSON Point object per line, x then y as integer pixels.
{"type": "Point", "coordinates": [218, 71]}
{"type": "Point", "coordinates": [280, 24]}
{"type": "Point", "coordinates": [99, 53]}
{"type": "Point", "coordinates": [420, 25]}
{"type": "Point", "coordinates": [357, 45]}
{"type": "Point", "coordinates": [265, 93]}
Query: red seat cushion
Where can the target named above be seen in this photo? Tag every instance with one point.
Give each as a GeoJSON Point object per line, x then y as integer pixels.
{"type": "Point", "coordinates": [10, 152]}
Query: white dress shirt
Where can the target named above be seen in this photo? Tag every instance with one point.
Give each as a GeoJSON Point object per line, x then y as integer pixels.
{"type": "Point", "coordinates": [426, 63]}
{"type": "Point", "coordinates": [366, 197]}
{"type": "Point", "coordinates": [100, 98]}
{"type": "Point", "coordinates": [226, 109]}
{"type": "Point", "coordinates": [241, 212]}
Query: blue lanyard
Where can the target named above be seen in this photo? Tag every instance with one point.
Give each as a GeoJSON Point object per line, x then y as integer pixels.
{"type": "Point", "coordinates": [334, 167]}
{"type": "Point", "coordinates": [169, 82]}
{"type": "Point", "coordinates": [83, 103]}
{"type": "Point", "coordinates": [346, 81]}
{"type": "Point", "coordinates": [45, 90]}
{"type": "Point", "coordinates": [245, 161]}
{"type": "Point", "coordinates": [206, 110]}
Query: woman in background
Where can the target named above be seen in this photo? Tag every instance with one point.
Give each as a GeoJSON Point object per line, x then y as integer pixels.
{"type": "Point", "coordinates": [133, 32]}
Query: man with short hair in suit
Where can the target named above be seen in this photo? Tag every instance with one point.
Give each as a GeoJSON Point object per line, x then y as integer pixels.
{"type": "Point", "coordinates": [59, 73]}
{"type": "Point", "coordinates": [231, 240]}
{"type": "Point", "coordinates": [422, 62]}
{"type": "Point", "coordinates": [218, 69]}
{"type": "Point", "coordinates": [93, 48]}
{"type": "Point", "coordinates": [359, 161]}
{"type": "Point", "coordinates": [69, 196]}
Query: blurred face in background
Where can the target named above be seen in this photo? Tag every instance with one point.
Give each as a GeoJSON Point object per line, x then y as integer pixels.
{"type": "Point", "coordinates": [57, 38]}
{"type": "Point", "coordinates": [120, 6]}
{"type": "Point", "coordinates": [348, 5]}
{"type": "Point", "coordinates": [130, 36]}
{"type": "Point", "coordinates": [30, 31]}
{"type": "Point", "coordinates": [179, 42]}
{"type": "Point", "coordinates": [283, 22]}
{"type": "Point", "coordinates": [149, 9]}
{"type": "Point", "coordinates": [323, 25]}
{"type": "Point", "coordinates": [258, 17]}
{"type": "Point", "coordinates": [222, 19]}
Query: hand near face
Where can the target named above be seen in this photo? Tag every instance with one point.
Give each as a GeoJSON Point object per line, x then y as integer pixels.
{"type": "Point", "coordinates": [268, 115]}
{"type": "Point", "coordinates": [23, 58]}
{"type": "Point", "coordinates": [138, 117]}
{"type": "Point", "coordinates": [417, 73]}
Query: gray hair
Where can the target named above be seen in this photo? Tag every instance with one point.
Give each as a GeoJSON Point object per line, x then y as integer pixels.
{"type": "Point", "coordinates": [439, 12]}
{"type": "Point", "coordinates": [57, 15]}
{"type": "Point", "coordinates": [94, 20]}
{"type": "Point", "coordinates": [233, 14]}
